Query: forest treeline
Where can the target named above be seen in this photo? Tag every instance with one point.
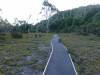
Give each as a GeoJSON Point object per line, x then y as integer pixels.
{"type": "Point", "coordinates": [82, 20]}
{"type": "Point", "coordinates": [16, 30]}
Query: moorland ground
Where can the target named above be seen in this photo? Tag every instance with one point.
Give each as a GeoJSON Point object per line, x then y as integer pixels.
{"type": "Point", "coordinates": [19, 55]}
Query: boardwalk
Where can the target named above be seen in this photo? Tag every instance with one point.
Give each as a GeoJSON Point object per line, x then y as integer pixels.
{"type": "Point", "coordinates": [60, 62]}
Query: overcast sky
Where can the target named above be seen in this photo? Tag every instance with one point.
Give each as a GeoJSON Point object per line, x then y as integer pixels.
{"type": "Point", "coordinates": [22, 9]}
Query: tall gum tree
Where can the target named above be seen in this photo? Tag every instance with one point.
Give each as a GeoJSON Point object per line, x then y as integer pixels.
{"type": "Point", "coordinates": [48, 10]}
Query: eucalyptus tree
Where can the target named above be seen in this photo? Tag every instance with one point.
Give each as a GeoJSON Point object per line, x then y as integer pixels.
{"type": "Point", "coordinates": [48, 9]}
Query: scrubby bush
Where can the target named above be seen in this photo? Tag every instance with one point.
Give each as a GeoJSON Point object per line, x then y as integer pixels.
{"type": "Point", "coordinates": [2, 36]}
{"type": "Point", "coordinates": [83, 33]}
{"type": "Point", "coordinates": [16, 35]}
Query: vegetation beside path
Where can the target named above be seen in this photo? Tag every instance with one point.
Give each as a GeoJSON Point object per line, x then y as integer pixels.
{"type": "Point", "coordinates": [85, 52]}
{"type": "Point", "coordinates": [17, 54]}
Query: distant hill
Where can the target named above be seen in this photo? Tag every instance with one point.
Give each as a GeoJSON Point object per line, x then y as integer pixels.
{"type": "Point", "coordinates": [83, 20]}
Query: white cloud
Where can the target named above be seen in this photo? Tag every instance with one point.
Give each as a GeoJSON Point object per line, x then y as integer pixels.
{"type": "Point", "coordinates": [69, 4]}
{"type": "Point", "coordinates": [23, 8]}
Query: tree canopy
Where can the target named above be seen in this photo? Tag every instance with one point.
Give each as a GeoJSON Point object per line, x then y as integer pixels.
{"type": "Point", "coordinates": [83, 20]}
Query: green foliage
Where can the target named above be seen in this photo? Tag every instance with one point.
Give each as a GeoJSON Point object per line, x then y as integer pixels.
{"type": "Point", "coordinates": [41, 27]}
{"type": "Point", "coordinates": [21, 26]}
{"type": "Point", "coordinates": [2, 36]}
{"type": "Point", "coordinates": [16, 35]}
{"type": "Point", "coordinates": [1, 73]}
{"type": "Point", "coordinates": [82, 20]}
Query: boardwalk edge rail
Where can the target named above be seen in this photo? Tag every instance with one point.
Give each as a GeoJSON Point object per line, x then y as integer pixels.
{"type": "Point", "coordinates": [71, 61]}
{"type": "Point", "coordinates": [48, 60]}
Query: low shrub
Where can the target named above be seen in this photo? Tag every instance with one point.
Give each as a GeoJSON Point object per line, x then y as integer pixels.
{"type": "Point", "coordinates": [17, 35]}
{"type": "Point", "coordinates": [2, 36]}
